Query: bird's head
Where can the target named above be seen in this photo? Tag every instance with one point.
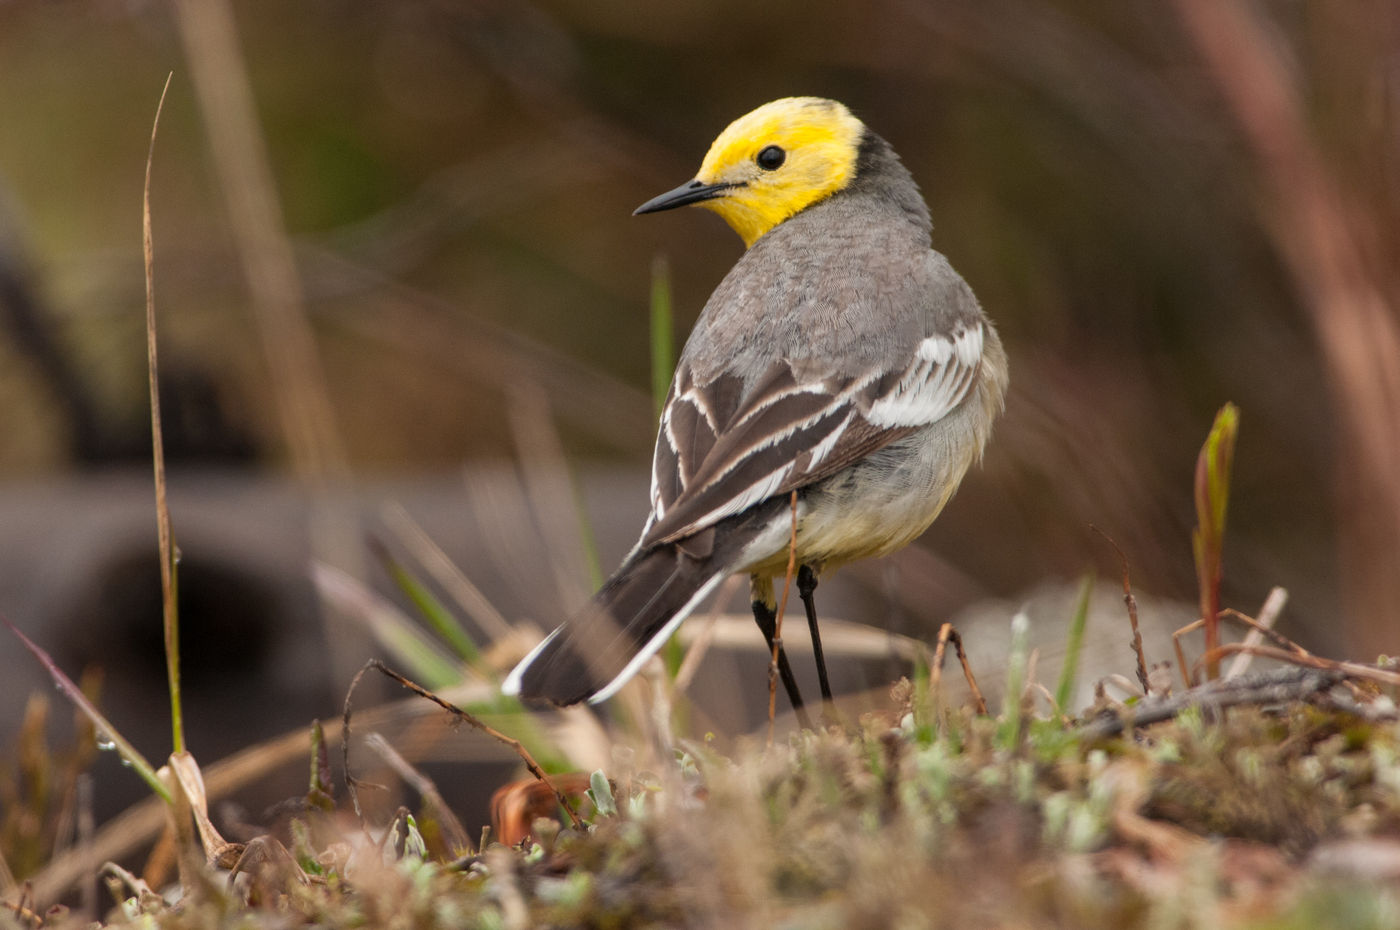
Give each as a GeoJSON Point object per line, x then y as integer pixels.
{"type": "Point", "coordinates": [771, 163]}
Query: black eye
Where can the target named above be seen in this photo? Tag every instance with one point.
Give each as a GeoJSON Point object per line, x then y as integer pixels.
{"type": "Point", "coordinates": [770, 158]}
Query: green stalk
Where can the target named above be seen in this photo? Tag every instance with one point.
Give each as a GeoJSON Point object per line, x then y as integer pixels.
{"type": "Point", "coordinates": [438, 617]}
{"type": "Point", "coordinates": [1212, 492]}
{"type": "Point", "coordinates": [1070, 672]}
{"type": "Point", "coordinates": [107, 734]}
{"type": "Point", "coordinates": [663, 343]}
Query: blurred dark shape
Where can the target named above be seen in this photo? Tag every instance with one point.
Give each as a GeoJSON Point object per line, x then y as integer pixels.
{"type": "Point", "coordinates": [26, 324]}
{"type": "Point", "coordinates": [197, 425]}
{"type": "Point", "coordinates": [196, 422]}
{"type": "Point", "coordinates": [228, 618]}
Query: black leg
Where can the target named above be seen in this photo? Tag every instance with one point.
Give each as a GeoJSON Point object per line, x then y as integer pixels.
{"type": "Point", "coordinates": [806, 587]}
{"type": "Point", "coordinates": [767, 619]}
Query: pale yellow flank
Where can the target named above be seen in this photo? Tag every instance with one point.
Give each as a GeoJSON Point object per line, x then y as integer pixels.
{"type": "Point", "coordinates": [820, 140]}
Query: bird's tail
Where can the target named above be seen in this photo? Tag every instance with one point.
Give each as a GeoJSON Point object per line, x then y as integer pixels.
{"type": "Point", "coordinates": [597, 650]}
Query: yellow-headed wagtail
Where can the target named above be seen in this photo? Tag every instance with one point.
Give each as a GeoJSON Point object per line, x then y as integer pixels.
{"type": "Point", "coordinates": [841, 358]}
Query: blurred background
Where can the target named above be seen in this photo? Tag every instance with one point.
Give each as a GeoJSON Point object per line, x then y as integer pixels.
{"type": "Point", "coordinates": [396, 275]}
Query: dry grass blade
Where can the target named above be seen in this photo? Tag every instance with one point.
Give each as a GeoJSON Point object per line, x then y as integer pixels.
{"type": "Point", "coordinates": [170, 605]}
{"type": "Point", "coordinates": [844, 638]}
{"type": "Point", "coordinates": [306, 417]}
{"type": "Point", "coordinates": [702, 635]}
{"type": "Point", "coordinates": [196, 841]}
{"type": "Point", "coordinates": [444, 571]}
{"type": "Point", "coordinates": [27, 915]}
{"type": "Point", "coordinates": [210, 37]}
{"type": "Point", "coordinates": [122, 836]}
{"type": "Point", "coordinates": [191, 780]}
{"type": "Point", "coordinates": [497, 506]}
{"type": "Point", "coordinates": [1262, 626]}
{"type": "Point", "coordinates": [456, 834]}
{"type": "Point", "coordinates": [1257, 631]}
{"type": "Point", "coordinates": [550, 493]}
{"type": "Point", "coordinates": [87, 828]}
{"type": "Point", "coordinates": [389, 626]}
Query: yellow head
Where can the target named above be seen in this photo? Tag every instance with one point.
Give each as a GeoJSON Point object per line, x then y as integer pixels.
{"type": "Point", "coordinates": [771, 163]}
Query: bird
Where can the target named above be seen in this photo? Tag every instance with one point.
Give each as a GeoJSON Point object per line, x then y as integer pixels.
{"type": "Point", "coordinates": [841, 361]}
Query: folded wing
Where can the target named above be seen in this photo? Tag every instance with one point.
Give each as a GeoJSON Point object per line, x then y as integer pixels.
{"type": "Point", "coordinates": [724, 446]}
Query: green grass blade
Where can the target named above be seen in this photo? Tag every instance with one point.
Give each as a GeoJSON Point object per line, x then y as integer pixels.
{"type": "Point", "coordinates": [105, 731]}
{"type": "Point", "coordinates": [1069, 673]}
{"type": "Point", "coordinates": [388, 625]}
{"type": "Point", "coordinates": [663, 344]}
{"type": "Point", "coordinates": [438, 617]}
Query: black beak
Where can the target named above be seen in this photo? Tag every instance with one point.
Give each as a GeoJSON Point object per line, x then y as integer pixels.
{"type": "Point", "coordinates": [690, 192]}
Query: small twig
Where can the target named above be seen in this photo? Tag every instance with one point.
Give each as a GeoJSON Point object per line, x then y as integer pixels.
{"type": "Point", "coordinates": [977, 699]}
{"type": "Point", "coordinates": [1289, 684]}
{"type": "Point", "coordinates": [947, 634]}
{"type": "Point", "coordinates": [1284, 644]}
{"type": "Point", "coordinates": [1265, 625]}
{"type": "Point", "coordinates": [778, 624]}
{"type": "Point", "coordinates": [1131, 602]}
{"type": "Point", "coordinates": [1268, 615]}
{"type": "Point", "coordinates": [1181, 663]}
{"type": "Point", "coordinates": [1307, 660]}
{"type": "Point", "coordinates": [935, 672]}
{"type": "Point", "coordinates": [469, 719]}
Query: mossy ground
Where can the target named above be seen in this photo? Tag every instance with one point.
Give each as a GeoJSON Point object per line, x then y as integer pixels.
{"type": "Point", "coordinates": [1260, 817]}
